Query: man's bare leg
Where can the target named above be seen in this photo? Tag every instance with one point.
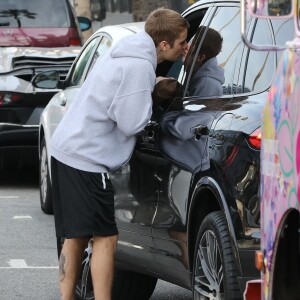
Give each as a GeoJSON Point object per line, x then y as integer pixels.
{"type": "Point", "coordinates": [69, 266]}
{"type": "Point", "coordinates": [102, 266]}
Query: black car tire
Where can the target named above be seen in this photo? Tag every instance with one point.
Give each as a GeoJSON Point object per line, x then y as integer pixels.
{"type": "Point", "coordinates": [44, 181]}
{"type": "Point", "coordinates": [126, 285]}
{"type": "Point", "coordinates": [215, 271]}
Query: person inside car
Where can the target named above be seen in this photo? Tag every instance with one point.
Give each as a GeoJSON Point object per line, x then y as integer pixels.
{"type": "Point", "coordinates": [96, 135]}
{"type": "Point", "coordinates": [207, 77]}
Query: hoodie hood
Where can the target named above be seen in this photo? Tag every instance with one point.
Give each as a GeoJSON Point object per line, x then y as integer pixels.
{"type": "Point", "coordinates": [211, 69]}
{"type": "Point", "coordinates": [208, 80]}
{"type": "Point", "coordinates": [126, 47]}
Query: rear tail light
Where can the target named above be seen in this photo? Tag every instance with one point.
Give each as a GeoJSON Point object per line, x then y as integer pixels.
{"type": "Point", "coordinates": [6, 98]}
{"type": "Point", "coordinates": [74, 38]}
{"type": "Point", "coordinates": [254, 139]}
{"type": "Point", "coordinates": [75, 42]}
{"type": "Point", "coordinates": [259, 260]}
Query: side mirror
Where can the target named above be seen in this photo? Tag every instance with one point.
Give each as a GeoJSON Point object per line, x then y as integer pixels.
{"type": "Point", "coordinates": [270, 8]}
{"type": "Point", "coordinates": [84, 23]}
{"type": "Point", "coordinates": [46, 80]}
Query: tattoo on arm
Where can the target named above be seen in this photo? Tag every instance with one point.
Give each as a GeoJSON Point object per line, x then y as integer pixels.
{"type": "Point", "coordinates": [62, 263]}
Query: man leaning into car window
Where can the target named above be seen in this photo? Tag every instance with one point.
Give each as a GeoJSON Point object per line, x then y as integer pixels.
{"type": "Point", "coordinates": [97, 135]}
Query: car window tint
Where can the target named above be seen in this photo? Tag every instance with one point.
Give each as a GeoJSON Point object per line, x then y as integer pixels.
{"type": "Point", "coordinates": [260, 66]}
{"type": "Point", "coordinates": [32, 13]}
{"type": "Point", "coordinates": [177, 69]}
{"type": "Point", "coordinates": [104, 45]}
{"type": "Point", "coordinates": [194, 49]}
{"type": "Point", "coordinates": [226, 21]}
{"type": "Point", "coordinates": [82, 63]}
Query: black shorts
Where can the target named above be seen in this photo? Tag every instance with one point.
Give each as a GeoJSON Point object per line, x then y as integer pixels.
{"type": "Point", "coordinates": [83, 202]}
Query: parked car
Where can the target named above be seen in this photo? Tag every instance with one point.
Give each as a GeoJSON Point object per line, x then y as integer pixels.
{"type": "Point", "coordinates": [186, 204]}
{"type": "Point", "coordinates": [40, 23]}
{"type": "Point", "coordinates": [21, 104]}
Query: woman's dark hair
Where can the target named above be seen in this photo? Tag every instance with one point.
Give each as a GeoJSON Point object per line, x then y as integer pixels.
{"type": "Point", "coordinates": [212, 44]}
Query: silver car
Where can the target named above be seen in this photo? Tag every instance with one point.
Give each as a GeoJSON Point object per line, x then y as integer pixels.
{"type": "Point", "coordinates": [21, 104]}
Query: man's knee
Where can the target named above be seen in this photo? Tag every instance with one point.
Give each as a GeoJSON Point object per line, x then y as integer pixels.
{"type": "Point", "coordinates": [106, 240]}
{"type": "Point", "coordinates": [76, 243]}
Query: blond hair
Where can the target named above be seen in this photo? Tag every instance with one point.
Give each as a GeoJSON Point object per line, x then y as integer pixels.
{"type": "Point", "coordinates": [165, 24]}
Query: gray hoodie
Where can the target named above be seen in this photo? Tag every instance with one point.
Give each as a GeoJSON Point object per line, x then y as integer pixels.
{"type": "Point", "coordinates": [97, 133]}
{"type": "Point", "coordinates": [208, 80]}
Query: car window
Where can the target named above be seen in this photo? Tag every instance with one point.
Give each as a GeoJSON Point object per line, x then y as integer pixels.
{"type": "Point", "coordinates": [104, 45]}
{"type": "Point", "coordinates": [225, 21]}
{"type": "Point", "coordinates": [32, 13]}
{"type": "Point", "coordinates": [257, 73]}
{"type": "Point", "coordinates": [177, 70]}
{"type": "Point", "coordinates": [82, 63]}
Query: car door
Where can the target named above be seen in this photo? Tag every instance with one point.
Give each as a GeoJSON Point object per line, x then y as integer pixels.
{"type": "Point", "coordinates": [136, 188]}
{"type": "Point", "coordinates": [182, 162]}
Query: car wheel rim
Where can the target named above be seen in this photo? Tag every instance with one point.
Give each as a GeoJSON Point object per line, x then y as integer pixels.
{"type": "Point", "coordinates": [44, 174]}
{"type": "Point", "coordinates": [208, 275]}
{"type": "Point", "coordinates": [84, 286]}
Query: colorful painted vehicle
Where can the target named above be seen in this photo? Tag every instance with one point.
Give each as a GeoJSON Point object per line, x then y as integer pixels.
{"type": "Point", "coordinates": [279, 258]}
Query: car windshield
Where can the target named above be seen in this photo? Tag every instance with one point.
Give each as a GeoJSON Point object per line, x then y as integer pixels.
{"type": "Point", "coordinates": [33, 13]}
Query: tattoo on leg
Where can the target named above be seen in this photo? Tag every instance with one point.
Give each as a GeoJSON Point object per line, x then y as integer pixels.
{"type": "Point", "coordinates": [62, 262]}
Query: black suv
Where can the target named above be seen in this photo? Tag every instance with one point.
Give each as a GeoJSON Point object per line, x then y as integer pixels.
{"type": "Point", "coordinates": [186, 203]}
{"type": "Point", "coordinates": [180, 220]}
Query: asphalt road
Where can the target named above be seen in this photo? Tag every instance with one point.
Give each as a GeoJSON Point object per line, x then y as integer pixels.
{"type": "Point", "coordinates": [28, 259]}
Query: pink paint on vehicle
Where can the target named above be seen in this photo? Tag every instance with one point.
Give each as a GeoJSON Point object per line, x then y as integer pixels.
{"type": "Point", "coordinates": [279, 258]}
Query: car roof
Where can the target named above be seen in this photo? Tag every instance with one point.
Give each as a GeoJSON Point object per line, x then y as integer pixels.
{"type": "Point", "coordinates": [121, 30]}
{"type": "Point", "coordinates": [200, 3]}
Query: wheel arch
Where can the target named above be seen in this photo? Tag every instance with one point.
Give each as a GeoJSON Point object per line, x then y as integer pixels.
{"type": "Point", "coordinates": [285, 274]}
{"type": "Point", "coordinates": [207, 197]}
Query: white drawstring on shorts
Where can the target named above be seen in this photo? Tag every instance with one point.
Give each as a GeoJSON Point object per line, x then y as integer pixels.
{"type": "Point", "coordinates": [103, 181]}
